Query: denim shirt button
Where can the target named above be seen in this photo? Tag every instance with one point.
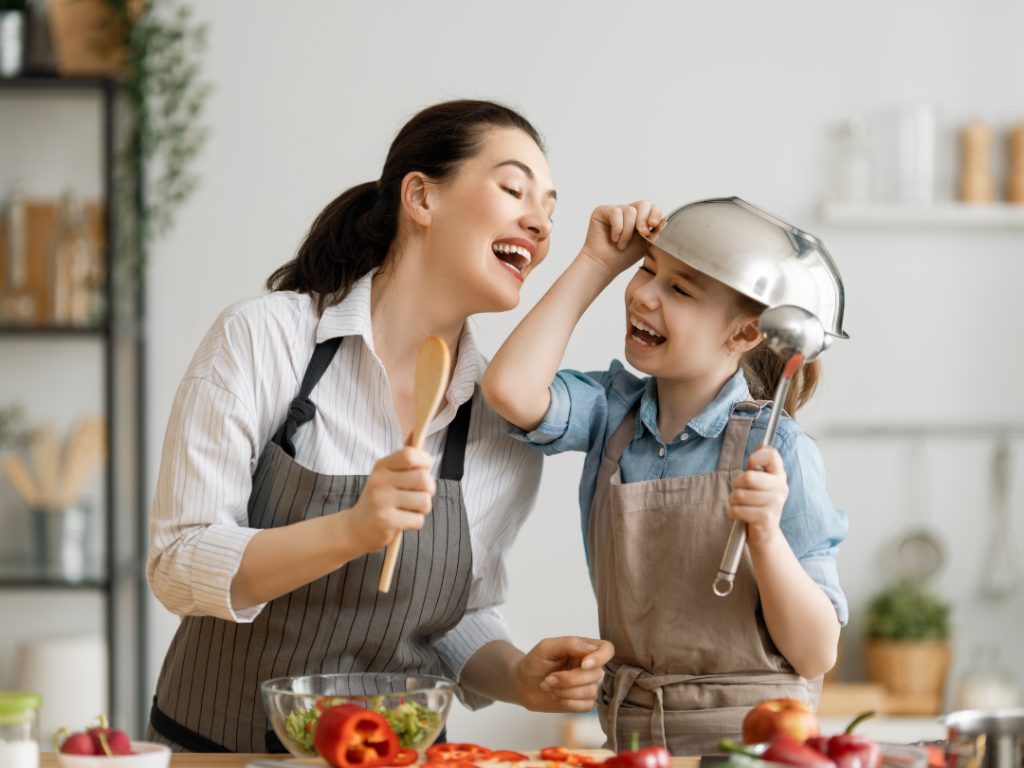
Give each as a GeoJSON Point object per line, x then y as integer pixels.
{"type": "Point", "coordinates": [661, 451]}
{"type": "Point", "coordinates": [684, 436]}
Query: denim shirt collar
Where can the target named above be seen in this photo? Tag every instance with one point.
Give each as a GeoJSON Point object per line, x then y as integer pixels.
{"type": "Point", "coordinates": [708, 423]}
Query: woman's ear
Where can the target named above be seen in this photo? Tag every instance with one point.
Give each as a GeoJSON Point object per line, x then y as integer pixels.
{"type": "Point", "coordinates": [416, 188]}
{"type": "Point", "coordinates": [746, 337]}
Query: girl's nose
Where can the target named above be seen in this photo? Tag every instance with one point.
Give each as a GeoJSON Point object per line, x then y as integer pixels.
{"type": "Point", "coordinates": [646, 295]}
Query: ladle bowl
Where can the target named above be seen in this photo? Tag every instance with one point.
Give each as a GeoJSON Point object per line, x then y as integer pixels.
{"type": "Point", "coordinates": [790, 330]}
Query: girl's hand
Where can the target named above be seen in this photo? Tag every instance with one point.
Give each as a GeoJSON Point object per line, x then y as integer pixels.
{"type": "Point", "coordinates": [612, 242]}
{"type": "Point", "coordinates": [562, 674]}
{"type": "Point", "coordinates": [398, 495]}
{"type": "Point", "coordinates": [758, 496]}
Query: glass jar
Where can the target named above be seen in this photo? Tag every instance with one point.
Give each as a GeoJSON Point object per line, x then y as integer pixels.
{"type": "Point", "coordinates": [19, 729]}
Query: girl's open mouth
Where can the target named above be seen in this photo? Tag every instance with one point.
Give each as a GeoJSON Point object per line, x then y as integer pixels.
{"type": "Point", "coordinates": [643, 334]}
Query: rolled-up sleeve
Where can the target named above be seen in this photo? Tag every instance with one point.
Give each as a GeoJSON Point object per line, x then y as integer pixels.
{"type": "Point", "coordinates": [812, 526]}
{"type": "Point", "coordinates": [477, 628]}
{"type": "Point", "coordinates": [199, 522]}
{"type": "Point", "coordinates": [576, 417]}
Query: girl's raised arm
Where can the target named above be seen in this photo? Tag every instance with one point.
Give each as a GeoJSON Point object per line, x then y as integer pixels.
{"type": "Point", "coordinates": [516, 381]}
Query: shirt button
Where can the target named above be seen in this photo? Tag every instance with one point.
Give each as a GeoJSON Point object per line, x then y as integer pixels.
{"type": "Point", "coordinates": [661, 452]}
{"type": "Point", "coordinates": [684, 436]}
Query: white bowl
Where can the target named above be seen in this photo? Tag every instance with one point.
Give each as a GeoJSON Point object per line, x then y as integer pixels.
{"type": "Point", "coordinates": [147, 755]}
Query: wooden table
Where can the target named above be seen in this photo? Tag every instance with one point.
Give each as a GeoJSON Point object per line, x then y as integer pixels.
{"type": "Point", "coordinates": [49, 760]}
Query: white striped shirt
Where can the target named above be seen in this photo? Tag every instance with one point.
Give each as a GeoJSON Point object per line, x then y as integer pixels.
{"type": "Point", "coordinates": [235, 396]}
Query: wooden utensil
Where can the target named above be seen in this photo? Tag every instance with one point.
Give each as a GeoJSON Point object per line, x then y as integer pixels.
{"type": "Point", "coordinates": [85, 452]}
{"type": "Point", "coordinates": [432, 364]}
{"type": "Point", "coordinates": [18, 473]}
{"type": "Point", "coordinates": [45, 450]}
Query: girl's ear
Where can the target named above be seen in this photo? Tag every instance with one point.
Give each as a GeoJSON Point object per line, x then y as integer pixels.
{"type": "Point", "coordinates": [416, 189]}
{"type": "Point", "coordinates": [745, 337]}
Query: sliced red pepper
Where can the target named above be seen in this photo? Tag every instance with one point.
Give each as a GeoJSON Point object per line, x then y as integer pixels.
{"type": "Point", "coordinates": [405, 756]}
{"type": "Point", "coordinates": [457, 753]}
{"type": "Point", "coordinates": [348, 736]}
{"type": "Point", "coordinates": [583, 761]}
{"type": "Point", "coordinates": [555, 754]}
{"type": "Point", "coordinates": [449, 765]}
{"type": "Point", "coordinates": [507, 756]}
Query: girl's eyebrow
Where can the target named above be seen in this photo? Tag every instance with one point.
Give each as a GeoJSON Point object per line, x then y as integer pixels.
{"type": "Point", "coordinates": [529, 173]}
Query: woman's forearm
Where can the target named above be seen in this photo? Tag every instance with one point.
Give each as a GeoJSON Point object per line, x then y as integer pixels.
{"type": "Point", "coordinates": [799, 615]}
{"type": "Point", "coordinates": [517, 379]}
{"type": "Point", "coordinates": [279, 560]}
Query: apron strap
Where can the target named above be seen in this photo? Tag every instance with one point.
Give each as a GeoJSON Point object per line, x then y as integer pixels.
{"type": "Point", "coordinates": [737, 430]}
{"type": "Point", "coordinates": [625, 676]}
{"type": "Point", "coordinates": [622, 436]}
{"type": "Point", "coordinates": [453, 462]}
{"type": "Point", "coordinates": [302, 409]}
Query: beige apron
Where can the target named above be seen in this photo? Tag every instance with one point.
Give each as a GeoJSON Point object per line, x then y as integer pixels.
{"type": "Point", "coordinates": [688, 665]}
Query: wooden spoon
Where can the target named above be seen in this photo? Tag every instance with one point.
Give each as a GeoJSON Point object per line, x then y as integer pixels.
{"type": "Point", "coordinates": [432, 364]}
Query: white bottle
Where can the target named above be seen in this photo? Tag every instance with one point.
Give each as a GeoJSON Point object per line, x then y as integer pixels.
{"type": "Point", "coordinates": [854, 170]}
{"type": "Point", "coordinates": [916, 156]}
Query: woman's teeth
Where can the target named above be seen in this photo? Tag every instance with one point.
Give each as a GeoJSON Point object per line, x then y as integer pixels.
{"type": "Point", "coordinates": [515, 256]}
{"type": "Point", "coordinates": [644, 334]}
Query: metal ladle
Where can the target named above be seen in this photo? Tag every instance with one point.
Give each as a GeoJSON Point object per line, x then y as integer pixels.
{"type": "Point", "coordinates": [799, 337]}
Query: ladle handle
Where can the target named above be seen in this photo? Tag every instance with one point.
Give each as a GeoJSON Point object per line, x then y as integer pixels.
{"type": "Point", "coordinates": [730, 564]}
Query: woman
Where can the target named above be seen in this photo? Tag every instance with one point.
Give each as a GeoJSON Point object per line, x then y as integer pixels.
{"type": "Point", "coordinates": [295, 407]}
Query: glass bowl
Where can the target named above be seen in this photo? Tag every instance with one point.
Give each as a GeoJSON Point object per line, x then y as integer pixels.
{"type": "Point", "coordinates": [416, 706]}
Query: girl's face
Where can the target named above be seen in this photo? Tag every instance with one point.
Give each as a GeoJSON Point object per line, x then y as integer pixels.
{"type": "Point", "coordinates": [680, 323]}
{"type": "Point", "coordinates": [491, 224]}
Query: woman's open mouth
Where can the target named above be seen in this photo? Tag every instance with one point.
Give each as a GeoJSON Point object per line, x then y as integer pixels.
{"type": "Point", "coordinates": [515, 258]}
{"type": "Point", "coordinates": [643, 334]}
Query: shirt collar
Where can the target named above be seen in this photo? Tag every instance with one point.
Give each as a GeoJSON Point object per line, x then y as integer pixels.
{"type": "Point", "coordinates": [351, 317]}
{"type": "Point", "coordinates": [708, 423]}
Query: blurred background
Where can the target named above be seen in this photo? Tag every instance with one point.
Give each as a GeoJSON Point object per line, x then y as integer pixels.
{"type": "Point", "coordinates": [892, 130]}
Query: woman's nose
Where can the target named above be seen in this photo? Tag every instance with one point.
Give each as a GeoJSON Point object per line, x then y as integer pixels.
{"type": "Point", "coordinates": [538, 222]}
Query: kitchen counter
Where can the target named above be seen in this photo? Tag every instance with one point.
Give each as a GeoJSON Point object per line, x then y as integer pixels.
{"type": "Point", "coordinates": [49, 760]}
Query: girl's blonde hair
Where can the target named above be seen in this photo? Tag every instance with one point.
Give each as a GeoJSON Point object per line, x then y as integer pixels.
{"type": "Point", "coordinates": [763, 368]}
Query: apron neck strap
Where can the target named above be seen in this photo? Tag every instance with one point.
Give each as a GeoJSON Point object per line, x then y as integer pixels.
{"type": "Point", "coordinates": [453, 462]}
{"type": "Point", "coordinates": [737, 431]}
{"type": "Point", "coordinates": [622, 436]}
{"type": "Point", "coordinates": [302, 409]}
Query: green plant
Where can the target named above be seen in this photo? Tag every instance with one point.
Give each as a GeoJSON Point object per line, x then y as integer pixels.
{"type": "Point", "coordinates": [908, 612]}
{"type": "Point", "coordinates": [11, 420]}
{"type": "Point", "coordinates": [163, 86]}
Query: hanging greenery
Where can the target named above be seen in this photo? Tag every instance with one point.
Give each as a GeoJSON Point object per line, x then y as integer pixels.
{"type": "Point", "coordinates": [166, 95]}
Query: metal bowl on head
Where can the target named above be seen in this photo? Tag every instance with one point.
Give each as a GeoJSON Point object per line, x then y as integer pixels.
{"type": "Point", "coordinates": [416, 706]}
{"type": "Point", "coordinates": [759, 255]}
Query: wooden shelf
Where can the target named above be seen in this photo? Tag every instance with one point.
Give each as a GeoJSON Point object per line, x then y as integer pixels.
{"type": "Point", "coordinates": [935, 216]}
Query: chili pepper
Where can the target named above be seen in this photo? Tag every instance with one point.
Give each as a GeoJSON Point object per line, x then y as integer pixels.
{"type": "Point", "coordinates": [783, 748]}
{"type": "Point", "coordinates": [850, 750]}
{"type": "Point", "coordinates": [457, 753]}
{"type": "Point", "coordinates": [348, 736]}
{"type": "Point", "coordinates": [652, 757]}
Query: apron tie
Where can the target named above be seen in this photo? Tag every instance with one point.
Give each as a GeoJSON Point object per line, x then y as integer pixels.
{"type": "Point", "coordinates": [625, 676]}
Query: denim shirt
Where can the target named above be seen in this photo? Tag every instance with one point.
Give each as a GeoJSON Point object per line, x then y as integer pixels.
{"type": "Point", "coordinates": [586, 408]}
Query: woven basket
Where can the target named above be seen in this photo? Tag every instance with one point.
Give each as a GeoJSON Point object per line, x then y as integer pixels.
{"type": "Point", "coordinates": [913, 671]}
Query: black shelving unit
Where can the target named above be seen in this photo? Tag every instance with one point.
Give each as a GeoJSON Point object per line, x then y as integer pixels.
{"type": "Point", "coordinates": [125, 512]}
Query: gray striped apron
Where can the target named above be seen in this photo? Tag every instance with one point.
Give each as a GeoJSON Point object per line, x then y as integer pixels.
{"type": "Point", "coordinates": [208, 693]}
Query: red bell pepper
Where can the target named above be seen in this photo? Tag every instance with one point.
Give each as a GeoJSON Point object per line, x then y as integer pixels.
{"type": "Point", "coordinates": [405, 756]}
{"type": "Point", "coordinates": [457, 753]}
{"type": "Point", "coordinates": [850, 750]}
{"type": "Point", "coordinates": [652, 757]}
{"type": "Point", "coordinates": [506, 756]}
{"type": "Point", "coordinates": [348, 736]}
{"type": "Point", "coordinates": [554, 754]}
{"type": "Point", "coordinates": [783, 748]}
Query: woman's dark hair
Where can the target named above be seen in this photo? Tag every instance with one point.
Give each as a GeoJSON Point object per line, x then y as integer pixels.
{"type": "Point", "coordinates": [354, 233]}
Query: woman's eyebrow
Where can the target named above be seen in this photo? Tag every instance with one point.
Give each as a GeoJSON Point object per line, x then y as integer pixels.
{"type": "Point", "coordinates": [528, 171]}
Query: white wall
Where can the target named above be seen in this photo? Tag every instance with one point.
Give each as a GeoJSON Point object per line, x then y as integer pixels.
{"type": "Point", "coordinates": [672, 101]}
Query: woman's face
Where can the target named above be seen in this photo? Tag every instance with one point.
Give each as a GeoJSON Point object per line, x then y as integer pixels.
{"type": "Point", "coordinates": [679, 322]}
{"type": "Point", "coordinates": [491, 224]}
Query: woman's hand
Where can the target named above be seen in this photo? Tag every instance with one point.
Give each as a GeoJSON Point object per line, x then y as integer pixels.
{"type": "Point", "coordinates": [612, 242]}
{"type": "Point", "coordinates": [758, 496]}
{"type": "Point", "coordinates": [398, 495]}
{"type": "Point", "coordinates": [562, 674]}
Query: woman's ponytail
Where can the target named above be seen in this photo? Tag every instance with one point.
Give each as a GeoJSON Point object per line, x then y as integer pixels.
{"type": "Point", "coordinates": [355, 233]}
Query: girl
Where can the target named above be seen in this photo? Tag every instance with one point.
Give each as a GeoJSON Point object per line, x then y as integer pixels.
{"type": "Point", "coordinates": [283, 474]}
{"type": "Point", "coordinates": [662, 482]}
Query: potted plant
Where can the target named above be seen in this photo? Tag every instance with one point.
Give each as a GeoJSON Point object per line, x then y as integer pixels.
{"type": "Point", "coordinates": [908, 648]}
